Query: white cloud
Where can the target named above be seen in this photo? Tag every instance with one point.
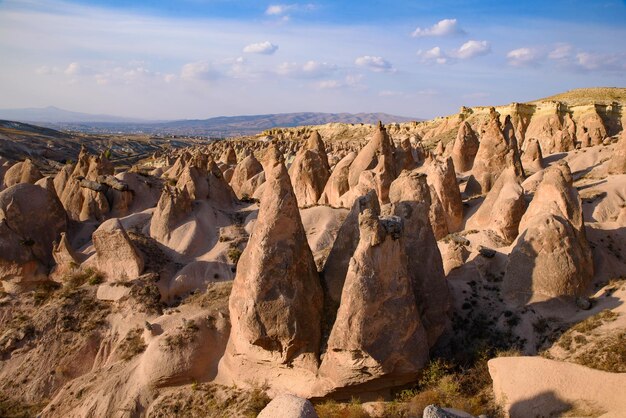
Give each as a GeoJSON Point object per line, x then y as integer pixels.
{"type": "Point", "coordinates": [284, 10]}
{"type": "Point", "coordinates": [445, 27]}
{"type": "Point", "coordinates": [376, 64]}
{"type": "Point", "coordinates": [265, 48]}
{"type": "Point", "coordinates": [433, 56]}
{"type": "Point", "coordinates": [522, 57]}
{"type": "Point", "coordinates": [329, 84]}
{"type": "Point", "coordinates": [604, 62]}
{"type": "Point", "coordinates": [310, 69]}
{"type": "Point", "coordinates": [200, 70]}
{"type": "Point", "coordinates": [76, 69]}
{"type": "Point", "coordinates": [471, 49]}
{"type": "Point", "coordinates": [560, 52]}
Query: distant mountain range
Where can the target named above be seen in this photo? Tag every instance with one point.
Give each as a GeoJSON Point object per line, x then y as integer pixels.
{"type": "Point", "coordinates": [222, 126]}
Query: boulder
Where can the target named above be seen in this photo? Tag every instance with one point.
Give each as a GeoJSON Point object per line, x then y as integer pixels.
{"type": "Point", "coordinates": [288, 406]}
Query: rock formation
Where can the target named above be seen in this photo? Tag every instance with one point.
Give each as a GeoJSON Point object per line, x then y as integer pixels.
{"type": "Point", "coordinates": [173, 206]}
{"type": "Point", "coordinates": [442, 178]}
{"type": "Point", "coordinates": [495, 153]}
{"type": "Point", "coordinates": [31, 219]}
{"type": "Point", "coordinates": [116, 255]}
{"type": "Point", "coordinates": [276, 301]}
{"type": "Point", "coordinates": [410, 198]}
{"type": "Point", "coordinates": [362, 347]}
{"type": "Point", "coordinates": [246, 177]}
{"type": "Point", "coordinates": [532, 158]}
{"type": "Point", "coordinates": [22, 172]}
{"type": "Point", "coordinates": [337, 184]}
{"type": "Point", "coordinates": [551, 257]}
{"type": "Point", "coordinates": [368, 158]}
{"type": "Point", "coordinates": [617, 164]}
{"type": "Point", "coordinates": [309, 172]}
{"type": "Point", "coordinates": [465, 148]}
{"type": "Point", "coordinates": [502, 209]}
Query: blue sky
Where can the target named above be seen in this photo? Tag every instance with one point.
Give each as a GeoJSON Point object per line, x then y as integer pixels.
{"type": "Point", "coordinates": [203, 58]}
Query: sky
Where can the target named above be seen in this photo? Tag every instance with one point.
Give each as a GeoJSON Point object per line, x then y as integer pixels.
{"type": "Point", "coordinates": [165, 59]}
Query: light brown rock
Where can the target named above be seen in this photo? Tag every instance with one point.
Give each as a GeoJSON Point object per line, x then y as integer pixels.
{"type": "Point", "coordinates": [496, 152]}
{"type": "Point", "coordinates": [617, 164]}
{"type": "Point", "coordinates": [532, 158]}
{"type": "Point", "coordinates": [337, 184]}
{"type": "Point", "coordinates": [309, 174]}
{"type": "Point", "coordinates": [276, 301]}
{"type": "Point", "coordinates": [172, 208]}
{"type": "Point", "coordinates": [465, 148]}
{"type": "Point", "coordinates": [441, 176]}
{"type": "Point", "coordinates": [116, 255]}
{"type": "Point", "coordinates": [31, 219]}
{"type": "Point", "coordinates": [22, 172]}
{"type": "Point", "coordinates": [502, 209]}
{"type": "Point", "coordinates": [551, 257]}
{"type": "Point", "coordinates": [245, 177]}
{"type": "Point", "coordinates": [410, 197]}
{"type": "Point", "coordinates": [362, 347]}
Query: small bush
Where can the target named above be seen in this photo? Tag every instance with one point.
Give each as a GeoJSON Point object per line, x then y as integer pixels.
{"type": "Point", "coordinates": [333, 409]}
{"type": "Point", "coordinates": [132, 345]}
{"type": "Point", "coordinates": [234, 254]}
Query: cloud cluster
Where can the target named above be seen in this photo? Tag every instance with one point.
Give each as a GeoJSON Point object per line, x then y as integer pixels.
{"type": "Point", "coordinates": [470, 49]}
{"type": "Point", "coordinates": [376, 64]}
{"type": "Point", "coordinates": [310, 69]}
{"type": "Point", "coordinates": [284, 11]}
{"type": "Point", "coordinates": [265, 48]}
{"type": "Point", "coordinates": [566, 57]}
{"type": "Point", "coordinates": [445, 27]}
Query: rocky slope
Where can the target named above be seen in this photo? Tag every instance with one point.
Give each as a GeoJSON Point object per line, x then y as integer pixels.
{"type": "Point", "coordinates": [329, 262]}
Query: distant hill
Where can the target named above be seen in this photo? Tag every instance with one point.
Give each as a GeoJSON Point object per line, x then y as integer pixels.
{"type": "Point", "coordinates": [603, 95]}
{"type": "Point", "coordinates": [53, 115]}
{"type": "Point", "coordinates": [222, 126]}
{"type": "Point", "coordinates": [249, 125]}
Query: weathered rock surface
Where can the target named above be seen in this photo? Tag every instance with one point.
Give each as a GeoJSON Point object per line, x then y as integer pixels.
{"type": "Point", "coordinates": [31, 219]}
{"type": "Point", "coordinates": [288, 406]}
{"type": "Point", "coordinates": [410, 197]}
{"type": "Point", "coordinates": [442, 178]}
{"type": "Point", "coordinates": [465, 148]}
{"type": "Point", "coordinates": [116, 255]}
{"type": "Point", "coordinates": [276, 301]}
{"type": "Point", "coordinates": [362, 347]}
{"type": "Point", "coordinates": [502, 209]}
{"type": "Point", "coordinates": [22, 172]}
{"type": "Point", "coordinates": [551, 257]}
{"type": "Point", "coordinates": [496, 152]}
{"type": "Point", "coordinates": [245, 178]}
{"type": "Point", "coordinates": [309, 173]}
{"type": "Point", "coordinates": [617, 165]}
